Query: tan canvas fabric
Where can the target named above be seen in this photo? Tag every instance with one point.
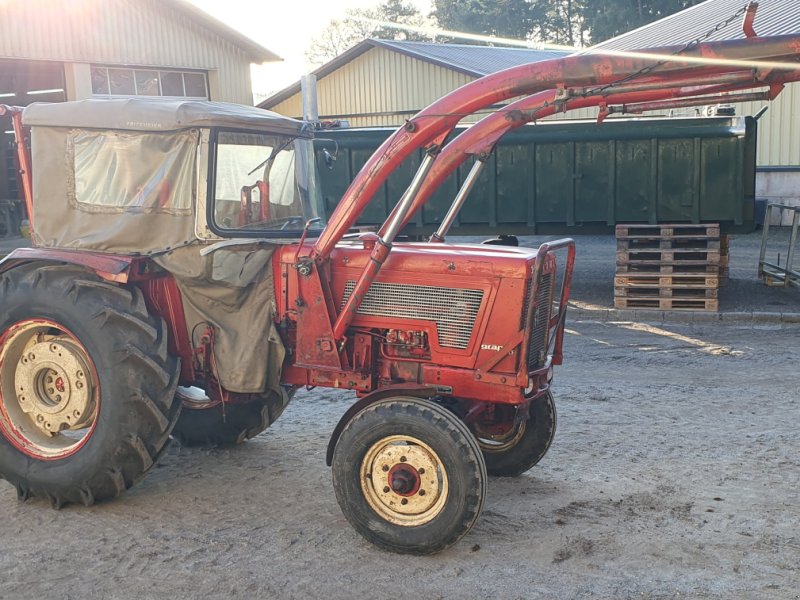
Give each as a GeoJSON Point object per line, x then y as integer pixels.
{"type": "Point", "coordinates": [233, 290]}
{"type": "Point", "coordinates": [109, 192]}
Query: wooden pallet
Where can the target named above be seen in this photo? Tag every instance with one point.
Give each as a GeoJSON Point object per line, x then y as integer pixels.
{"type": "Point", "coordinates": [671, 269]}
{"type": "Point", "coordinates": [641, 245]}
{"type": "Point", "coordinates": [668, 231]}
{"type": "Point", "coordinates": [667, 303]}
{"type": "Point", "coordinates": [678, 256]}
{"type": "Point", "coordinates": [666, 292]}
{"type": "Point", "coordinates": [673, 280]}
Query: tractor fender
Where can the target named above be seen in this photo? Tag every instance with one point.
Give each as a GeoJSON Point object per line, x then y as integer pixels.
{"type": "Point", "coordinates": [111, 267]}
{"type": "Point", "coordinates": [371, 398]}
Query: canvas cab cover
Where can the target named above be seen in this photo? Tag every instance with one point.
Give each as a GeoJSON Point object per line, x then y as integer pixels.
{"type": "Point", "coordinates": [122, 175]}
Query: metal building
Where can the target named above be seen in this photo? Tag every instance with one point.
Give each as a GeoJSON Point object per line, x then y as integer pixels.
{"type": "Point", "coordinates": [52, 51]}
{"type": "Point", "coordinates": [381, 82]}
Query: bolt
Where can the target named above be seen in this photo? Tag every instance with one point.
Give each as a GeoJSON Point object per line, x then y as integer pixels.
{"type": "Point", "coordinates": [422, 492]}
{"type": "Point", "coordinates": [49, 379]}
{"type": "Point", "coordinates": [39, 418]}
{"type": "Point", "coordinates": [76, 413]}
{"type": "Point", "coordinates": [421, 470]}
{"type": "Point", "coordinates": [385, 468]}
{"type": "Point", "coordinates": [386, 489]}
{"type": "Point", "coordinates": [58, 398]}
{"type": "Point", "coordinates": [51, 391]}
{"type": "Point", "coordinates": [404, 501]}
{"type": "Point", "coordinates": [80, 373]}
{"type": "Point", "coordinates": [24, 361]}
{"type": "Point", "coordinates": [32, 356]}
{"type": "Point", "coordinates": [79, 385]}
{"type": "Point", "coordinates": [403, 459]}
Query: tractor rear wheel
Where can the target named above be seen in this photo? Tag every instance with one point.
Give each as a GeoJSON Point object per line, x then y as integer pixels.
{"type": "Point", "coordinates": [86, 385]}
{"type": "Point", "coordinates": [511, 448]}
{"type": "Point", "coordinates": [409, 476]}
{"type": "Point", "coordinates": [230, 423]}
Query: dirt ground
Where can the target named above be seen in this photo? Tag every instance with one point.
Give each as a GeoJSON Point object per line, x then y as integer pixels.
{"type": "Point", "coordinates": [674, 473]}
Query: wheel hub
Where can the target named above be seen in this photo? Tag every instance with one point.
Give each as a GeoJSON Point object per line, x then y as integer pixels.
{"type": "Point", "coordinates": [499, 435]}
{"type": "Point", "coordinates": [404, 481]}
{"type": "Point", "coordinates": [52, 386]}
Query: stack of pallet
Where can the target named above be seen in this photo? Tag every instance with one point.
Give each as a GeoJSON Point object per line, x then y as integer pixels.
{"type": "Point", "coordinates": [670, 267]}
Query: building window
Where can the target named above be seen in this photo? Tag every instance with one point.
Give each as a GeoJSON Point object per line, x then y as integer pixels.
{"type": "Point", "coordinates": [120, 81]}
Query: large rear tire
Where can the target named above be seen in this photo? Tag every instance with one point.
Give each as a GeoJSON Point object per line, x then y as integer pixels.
{"type": "Point", "coordinates": [231, 423]}
{"type": "Point", "coordinates": [409, 476]}
{"type": "Point", "coordinates": [86, 385]}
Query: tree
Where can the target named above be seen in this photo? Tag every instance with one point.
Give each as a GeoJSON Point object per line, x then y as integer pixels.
{"type": "Point", "coordinates": [498, 18]}
{"type": "Point", "coordinates": [605, 20]}
{"type": "Point", "coordinates": [360, 24]}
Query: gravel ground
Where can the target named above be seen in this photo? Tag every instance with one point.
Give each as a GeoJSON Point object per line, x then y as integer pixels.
{"type": "Point", "coordinates": [674, 473]}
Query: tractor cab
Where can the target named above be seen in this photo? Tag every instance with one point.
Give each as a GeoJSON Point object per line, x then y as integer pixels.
{"type": "Point", "coordinates": [143, 176]}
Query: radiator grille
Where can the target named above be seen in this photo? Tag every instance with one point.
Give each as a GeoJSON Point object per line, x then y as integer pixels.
{"type": "Point", "coordinates": [537, 347]}
{"type": "Point", "coordinates": [453, 310]}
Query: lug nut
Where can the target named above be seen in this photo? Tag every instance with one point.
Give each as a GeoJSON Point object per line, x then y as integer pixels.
{"type": "Point", "coordinates": [385, 468]}
{"type": "Point", "coordinates": [80, 373]}
{"type": "Point", "coordinates": [79, 385]}
{"type": "Point", "coordinates": [386, 490]}
{"type": "Point", "coordinates": [421, 470]}
{"type": "Point", "coordinates": [58, 398]}
{"type": "Point", "coordinates": [76, 413]}
{"type": "Point", "coordinates": [40, 419]}
{"type": "Point", "coordinates": [402, 459]}
{"type": "Point", "coordinates": [404, 501]}
{"type": "Point", "coordinates": [422, 492]}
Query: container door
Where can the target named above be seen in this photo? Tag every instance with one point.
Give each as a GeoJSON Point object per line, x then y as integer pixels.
{"type": "Point", "coordinates": [514, 179]}
{"type": "Point", "coordinates": [635, 181]}
{"type": "Point", "coordinates": [677, 186]}
{"type": "Point", "coordinates": [554, 185]}
{"type": "Point", "coordinates": [594, 181]}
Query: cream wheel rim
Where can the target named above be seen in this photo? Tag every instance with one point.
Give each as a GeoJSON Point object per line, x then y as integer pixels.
{"type": "Point", "coordinates": [404, 480]}
{"type": "Point", "coordinates": [48, 390]}
{"type": "Point", "coordinates": [501, 442]}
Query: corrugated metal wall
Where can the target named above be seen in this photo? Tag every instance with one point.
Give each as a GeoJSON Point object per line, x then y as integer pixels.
{"type": "Point", "coordinates": [381, 81]}
{"type": "Point", "coordinates": [370, 90]}
{"type": "Point", "coordinates": [122, 32]}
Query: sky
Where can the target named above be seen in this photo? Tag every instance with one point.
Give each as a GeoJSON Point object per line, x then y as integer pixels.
{"type": "Point", "coordinates": [286, 27]}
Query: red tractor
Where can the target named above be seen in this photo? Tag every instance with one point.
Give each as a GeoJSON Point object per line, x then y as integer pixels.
{"type": "Point", "coordinates": [182, 284]}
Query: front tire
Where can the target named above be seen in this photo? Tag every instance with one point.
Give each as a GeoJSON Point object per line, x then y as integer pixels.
{"type": "Point", "coordinates": [86, 385]}
{"type": "Point", "coordinates": [409, 476]}
{"type": "Point", "coordinates": [511, 449]}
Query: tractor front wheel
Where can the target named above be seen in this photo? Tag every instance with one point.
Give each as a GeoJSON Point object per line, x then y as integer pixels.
{"type": "Point", "coordinates": [86, 385]}
{"type": "Point", "coordinates": [409, 476]}
{"type": "Point", "coordinates": [512, 446]}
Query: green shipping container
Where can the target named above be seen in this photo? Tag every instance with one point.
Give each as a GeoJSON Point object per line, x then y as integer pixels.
{"type": "Point", "coordinates": [575, 177]}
